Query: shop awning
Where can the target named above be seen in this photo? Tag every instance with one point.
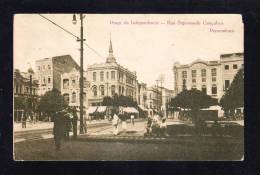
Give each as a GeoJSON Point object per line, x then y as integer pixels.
{"type": "Point", "coordinates": [130, 110]}
{"type": "Point", "coordinates": [101, 109]}
{"type": "Point", "coordinates": [91, 109]}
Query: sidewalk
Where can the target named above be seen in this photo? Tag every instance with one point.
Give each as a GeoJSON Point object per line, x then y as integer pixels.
{"type": "Point", "coordinates": [48, 125]}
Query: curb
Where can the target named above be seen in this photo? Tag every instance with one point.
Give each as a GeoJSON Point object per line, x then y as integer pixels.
{"type": "Point", "coordinates": [141, 139]}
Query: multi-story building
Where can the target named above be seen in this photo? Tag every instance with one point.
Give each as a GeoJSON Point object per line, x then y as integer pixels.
{"type": "Point", "coordinates": [211, 77]}
{"type": "Point", "coordinates": [49, 71]}
{"type": "Point", "coordinates": [108, 79]}
{"type": "Point", "coordinates": [142, 95]}
{"type": "Point", "coordinates": [25, 88]}
{"type": "Point", "coordinates": [167, 95]}
{"type": "Point", "coordinates": [154, 99]}
{"type": "Point", "coordinates": [70, 88]}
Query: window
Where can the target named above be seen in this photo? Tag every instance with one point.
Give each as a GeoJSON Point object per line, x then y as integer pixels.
{"type": "Point", "coordinates": [203, 79]}
{"type": "Point", "coordinates": [213, 72]}
{"type": "Point", "coordinates": [226, 67]}
{"type": "Point", "coordinates": [123, 90]}
{"type": "Point", "coordinates": [102, 76]}
{"type": "Point", "coordinates": [39, 67]}
{"type": "Point", "coordinates": [94, 91]}
{"type": "Point", "coordinates": [184, 74]}
{"type": "Point", "coordinates": [65, 83]}
{"type": "Point", "coordinates": [66, 98]}
{"type": "Point", "coordinates": [204, 89]}
{"type": "Point", "coordinates": [213, 79]}
{"type": "Point", "coordinates": [49, 80]}
{"type": "Point", "coordinates": [193, 73]}
{"type": "Point", "coordinates": [227, 84]}
{"type": "Point", "coordinates": [27, 90]}
{"type": "Point", "coordinates": [73, 82]}
{"type": "Point", "coordinates": [150, 96]}
{"type": "Point", "coordinates": [214, 90]}
{"type": "Point", "coordinates": [43, 80]}
{"type": "Point", "coordinates": [94, 76]}
{"type": "Point", "coordinates": [49, 66]}
{"type": "Point", "coordinates": [234, 66]}
{"type": "Point", "coordinates": [113, 75]}
{"type": "Point", "coordinates": [203, 72]}
{"type": "Point", "coordinates": [102, 90]}
{"type": "Point", "coordinates": [43, 67]}
{"type": "Point", "coordinates": [193, 80]}
{"type": "Point", "coordinates": [107, 75]}
{"type": "Point", "coordinates": [73, 100]}
{"type": "Point", "coordinates": [113, 90]}
{"type": "Point", "coordinates": [184, 84]}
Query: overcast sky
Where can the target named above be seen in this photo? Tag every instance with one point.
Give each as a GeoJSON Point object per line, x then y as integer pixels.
{"type": "Point", "coordinates": [149, 49]}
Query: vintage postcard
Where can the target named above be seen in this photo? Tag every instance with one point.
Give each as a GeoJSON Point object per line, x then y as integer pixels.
{"type": "Point", "coordinates": [128, 87]}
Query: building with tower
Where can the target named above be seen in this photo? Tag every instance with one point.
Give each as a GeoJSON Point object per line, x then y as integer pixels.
{"type": "Point", "coordinates": [110, 78]}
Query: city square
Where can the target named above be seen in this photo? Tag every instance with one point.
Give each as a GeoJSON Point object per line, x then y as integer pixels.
{"type": "Point", "coordinates": [147, 99]}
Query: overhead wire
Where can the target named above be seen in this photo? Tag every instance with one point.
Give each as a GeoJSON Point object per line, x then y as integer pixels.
{"type": "Point", "coordinates": [67, 31]}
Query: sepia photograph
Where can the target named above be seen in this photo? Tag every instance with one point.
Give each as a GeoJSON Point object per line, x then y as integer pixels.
{"type": "Point", "coordinates": [128, 87]}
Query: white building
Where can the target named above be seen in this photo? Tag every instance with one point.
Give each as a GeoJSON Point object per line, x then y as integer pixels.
{"type": "Point", "coordinates": [211, 77]}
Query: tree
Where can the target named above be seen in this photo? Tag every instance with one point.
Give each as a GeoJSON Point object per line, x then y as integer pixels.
{"type": "Point", "coordinates": [108, 101]}
{"type": "Point", "coordinates": [20, 103]}
{"type": "Point", "coordinates": [51, 102]}
{"type": "Point", "coordinates": [194, 100]}
{"type": "Point", "coordinates": [234, 96]}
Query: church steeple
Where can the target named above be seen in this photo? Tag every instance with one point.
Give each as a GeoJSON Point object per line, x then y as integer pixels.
{"type": "Point", "coordinates": [110, 58]}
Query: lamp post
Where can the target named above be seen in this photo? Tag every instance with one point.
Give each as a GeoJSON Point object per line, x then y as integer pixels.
{"type": "Point", "coordinates": [81, 40]}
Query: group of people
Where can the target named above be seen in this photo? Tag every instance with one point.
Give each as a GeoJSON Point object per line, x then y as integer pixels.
{"type": "Point", "coordinates": [156, 125]}
{"type": "Point", "coordinates": [64, 121]}
{"type": "Point", "coordinates": [123, 116]}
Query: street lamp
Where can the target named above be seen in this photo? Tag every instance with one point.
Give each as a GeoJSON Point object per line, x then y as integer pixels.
{"type": "Point", "coordinates": [81, 39]}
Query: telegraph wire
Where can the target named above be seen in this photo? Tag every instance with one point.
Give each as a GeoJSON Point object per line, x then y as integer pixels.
{"type": "Point", "coordinates": [67, 31]}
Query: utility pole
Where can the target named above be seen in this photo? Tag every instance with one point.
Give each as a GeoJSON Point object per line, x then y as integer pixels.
{"type": "Point", "coordinates": [157, 92]}
{"type": "Point", "coordinates": [81, 40]}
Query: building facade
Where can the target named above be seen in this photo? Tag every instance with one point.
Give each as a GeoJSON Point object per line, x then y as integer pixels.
{"type": "Point", "coordinates": [49, 71]}
{"type": "Point", "coordinates": [108, 79]}
{"type": "Point", "coordinates": [154, 99]}
{"type": "Point", "coordinates": [211, 77]}
{"type": "Point", "coordinates": [25, 89]}
{"type": "Point", "coordinates": [142, 95]}
{"type": "Point", "coordinates": [70, 88]}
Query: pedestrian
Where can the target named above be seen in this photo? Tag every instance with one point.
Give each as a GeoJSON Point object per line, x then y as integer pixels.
{"type": "Point", "coordinates": [67, 122]}
{"type": "Point", "coordinates": [163, 127]}
{"type": "Point", "coordinates": [115, 124]}
{"type": "Point", "coordinates": [84, 124]}
{"type": "Point", "coordinates": [58, 129]}
{"type": "Point", "coordinates": [133, 119]}
{"type": "Point", "coordinates": [24, 118]}
{"type": "Point", "coordinates": [149, 126]}
{"type": "Point", "coordinates": [124, 116]}
{"type": "Point", "coordinates": [74, 122]}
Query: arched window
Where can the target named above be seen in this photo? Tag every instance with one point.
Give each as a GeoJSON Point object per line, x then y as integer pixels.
{"type": "Point", "coordinates": [73, 100]}
{"type": "Point", "coordinates": [102, 90]}
{"type": "Point", "coordinates": [94, 89]}
{"type": "Point", "coordinates": [67, 98]}
{"type": "Point", "coordinates": [214, 89]}
{"type": "Point", "coordinates": [113, 90]}
{"type": "Point", "coordinates": [204, 89]}
{"type": "Point", "coordinates": [65, 83]}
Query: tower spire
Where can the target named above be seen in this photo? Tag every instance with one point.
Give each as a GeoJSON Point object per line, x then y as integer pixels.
{"type": "Point", "coordinates": [110, 58]}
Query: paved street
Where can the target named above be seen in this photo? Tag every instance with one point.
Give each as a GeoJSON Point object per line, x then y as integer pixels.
{"type": "Point", "coordinates": [100, 144]}
{"type": "Point", "coordinates": [92, 150]}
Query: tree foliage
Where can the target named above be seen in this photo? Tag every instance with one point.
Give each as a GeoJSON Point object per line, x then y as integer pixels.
{"type": "Point", "coordinates": [234, 96]}
{"type": "Point", "coordinates": [119, 101]}
{"type": "Point", "coordinates": [20, 103]}
{"type": "Point", "coordinates": [192, 99]}
{"type": "Point", "coordinates": [51, 102]}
